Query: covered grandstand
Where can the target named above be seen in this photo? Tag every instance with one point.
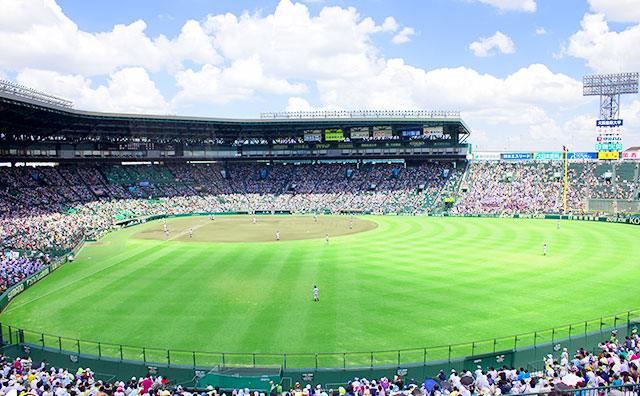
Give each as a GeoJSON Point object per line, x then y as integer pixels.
{"type": "Point", "coordinates": [34, 130]}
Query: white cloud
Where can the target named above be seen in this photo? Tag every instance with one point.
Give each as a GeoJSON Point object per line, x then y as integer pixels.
{"type": "Point", "coordinates": [390, 24]}
{"type": "Point", "coordinates": [617, 10]}
{"type": "Point", "coordinates": [403, 36]}
{"type": "Point", "coordinates": [606, 51]}
{"type": "Point", "coordinates": [512, 5]}
{"type": "Point", "coordinates": [240, 81]}
{"type": "Point", "coordinates": [541, 31]}
{"type": "Point", "coordinates": [293, 44]}
{"type": "Point", "coordinates": [34, 33]}
{"type": "Point", "coordinates": [298, 104]}
{"type": "Point", "coordinates": [484, 45]}
{"type": "Point", "coordinates": [128, 90]}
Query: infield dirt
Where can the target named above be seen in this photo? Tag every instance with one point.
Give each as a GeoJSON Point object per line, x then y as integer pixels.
{"type": "Point", "coordinates": [242, 228]}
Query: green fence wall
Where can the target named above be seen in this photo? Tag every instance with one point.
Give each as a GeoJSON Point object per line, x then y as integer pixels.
{"type": "Point", "coordinates": [586, 335]}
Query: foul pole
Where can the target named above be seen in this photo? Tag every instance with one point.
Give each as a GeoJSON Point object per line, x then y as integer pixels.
{"type": "Point", "coordinates": [565, 151]}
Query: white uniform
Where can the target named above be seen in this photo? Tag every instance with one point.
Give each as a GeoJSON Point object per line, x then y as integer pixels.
{"type": "Point", "coordinates": [190, 232]}
{"type": "Point", "coordinates": [326, 237]}
{"type": "Point", "coordinates": [351, 224]}
{"type": "Point", "coordinates": [254, 219]}
{"type": "Point", "coordinates": [277, 235]}
{"type": "Point", "coordinates": [167, 234]}
{"type": "Point", "coordinates": [315, 217]}
{"type": "Point", "coordinates": [165, 228]}
{"type": "Point", "coordinates": [544, 249]}
{"type": "Point", "coordinates": [315, 293]}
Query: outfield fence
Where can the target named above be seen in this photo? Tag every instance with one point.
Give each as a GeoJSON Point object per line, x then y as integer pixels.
{"type": "Point", "coordinates": [590, 331]}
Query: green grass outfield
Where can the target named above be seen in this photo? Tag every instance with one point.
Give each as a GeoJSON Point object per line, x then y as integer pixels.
{"type": "Point", "coordinates": [394, 282]}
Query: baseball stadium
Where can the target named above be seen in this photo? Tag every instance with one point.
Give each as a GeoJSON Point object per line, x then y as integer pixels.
{"type": "Point", "coordinates": [319, 198]}
{"type": "Point", "coordinates": [305, 246]}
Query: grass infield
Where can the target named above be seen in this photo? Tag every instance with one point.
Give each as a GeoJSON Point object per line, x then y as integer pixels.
{"type": "Point", "coordinates": [387, 283]}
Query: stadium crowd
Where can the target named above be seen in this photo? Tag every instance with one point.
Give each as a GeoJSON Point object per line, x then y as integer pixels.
{"type": "Point", "coordinates": [95, 198]}
{"type": "Point", "coordinates": [538, 187]}
{"type": "Point", "coordinates": [616, 363]}
{"type": "Point", "coordinates": [14, 269]}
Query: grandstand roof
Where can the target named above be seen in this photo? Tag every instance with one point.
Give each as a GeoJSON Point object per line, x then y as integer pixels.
{"type": "Point", "coordinates": [20, 117]}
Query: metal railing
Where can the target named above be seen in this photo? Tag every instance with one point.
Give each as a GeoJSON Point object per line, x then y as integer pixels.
{"type": "Point", "coordinates": [626, 390]}
{"type": "Point", "coordinates": [73, 346]}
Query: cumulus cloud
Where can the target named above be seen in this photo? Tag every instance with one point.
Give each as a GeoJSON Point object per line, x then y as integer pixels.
{"type": "Point", "coordinates": [240, 81]}
{"type": "Point", "coordinates": [390, 24]}
{"type": "Point", "coordinates": [127, 90]}
{"type": "Point", "coordinates": [500, 41]}
{"type": "Point", "coordinates": [617, 10]}
{"type": "Point", "coordinates": [541, 31]}
{"type": "Point", "coordinates": [403, 36]}
{"type": "Point", "coordinates": [36, 32]}
{"type": "Point", "coordinates": [604, 50]}
{"type": "Point", "coordinates": [512, 5]}
{"type": "Point", "coordinates": [293, 44]}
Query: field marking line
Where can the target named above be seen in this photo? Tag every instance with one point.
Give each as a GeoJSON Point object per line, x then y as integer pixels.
{"type": "Point", "coordinates": [12, 308]}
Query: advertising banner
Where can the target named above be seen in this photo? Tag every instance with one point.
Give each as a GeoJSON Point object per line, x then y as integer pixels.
{"type": "Point", "coordinates": [434, 132]}
{"type": "Point", "coordinates": [548, 156]}
{"type": "Point", "coordinates": [382, 132]}
{"type": "Point", "coordinates": [609, 123]}
{"type": "Point", "coordinates": [312, 136]}
{"type": "Point", "coordinates": [582, 155]}
{"type": "Point", "coordinates": [608, 146]}
{"type": "Point", "coordinates": [486, 156]}
{"type": "Point", "coordinates": [333, 135]}
{"type": "Point", "coordinates": [411, 132]}
{"type": "Point", "coordinates": [516, 156]}
{"type": "Point", "coordinates": [611, 155]}
{"type": "Point", "coordinates": [630, 155]}
{"type": "Point", "coordinates": [360, 133]}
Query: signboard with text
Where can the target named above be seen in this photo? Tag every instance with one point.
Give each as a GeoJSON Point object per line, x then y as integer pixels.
{"type": "Point", "coordinates": [608, 155]}
{"type": "Point", "coordinates": [581, 155]}
{"type": "Point", "coordinates": [516, 156]}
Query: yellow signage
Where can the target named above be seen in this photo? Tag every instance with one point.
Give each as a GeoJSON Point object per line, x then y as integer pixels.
{"type": "Point", "coordinates": [608, 155]}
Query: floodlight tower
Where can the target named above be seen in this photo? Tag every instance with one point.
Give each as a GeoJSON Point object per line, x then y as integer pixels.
{"type": "Point", "coordinates": [609, 87]}
{"type": "Point", "coordinates": [609, 126]}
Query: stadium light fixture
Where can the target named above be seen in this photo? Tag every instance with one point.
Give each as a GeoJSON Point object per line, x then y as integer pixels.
{"type": "Point", "coordinates": [323, 114]}
{"type": "Point", "coordinates": [609, 87]}
{"type": "Point", "coordinates": [33, 94]}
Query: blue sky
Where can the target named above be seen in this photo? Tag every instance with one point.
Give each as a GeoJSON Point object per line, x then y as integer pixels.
{"type": "Point", "coordinates": [513, 67]}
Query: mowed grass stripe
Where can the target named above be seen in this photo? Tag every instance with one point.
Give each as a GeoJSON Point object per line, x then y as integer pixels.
{"type": "Point", "coordinates": [410, 282]}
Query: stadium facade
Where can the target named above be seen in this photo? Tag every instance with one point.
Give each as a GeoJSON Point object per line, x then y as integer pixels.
{"type": "Point", "coordinates": [35, 130]}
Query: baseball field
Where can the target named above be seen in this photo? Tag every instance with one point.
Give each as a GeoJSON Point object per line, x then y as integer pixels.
{"type": "Point", "coordinates": [385, 282]}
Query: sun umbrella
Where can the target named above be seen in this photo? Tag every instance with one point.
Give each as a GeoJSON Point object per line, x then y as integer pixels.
{"type": "Point", "coordinates": [446, 385]}
{"type": "Point", "coordinates": [429, 384]}
{"type": "Point", "coordinates": [571, 379]}
{"type": "Point", "coordinates": [466, 380]}
{"type": "Point", "coordinates": [561, 386]}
